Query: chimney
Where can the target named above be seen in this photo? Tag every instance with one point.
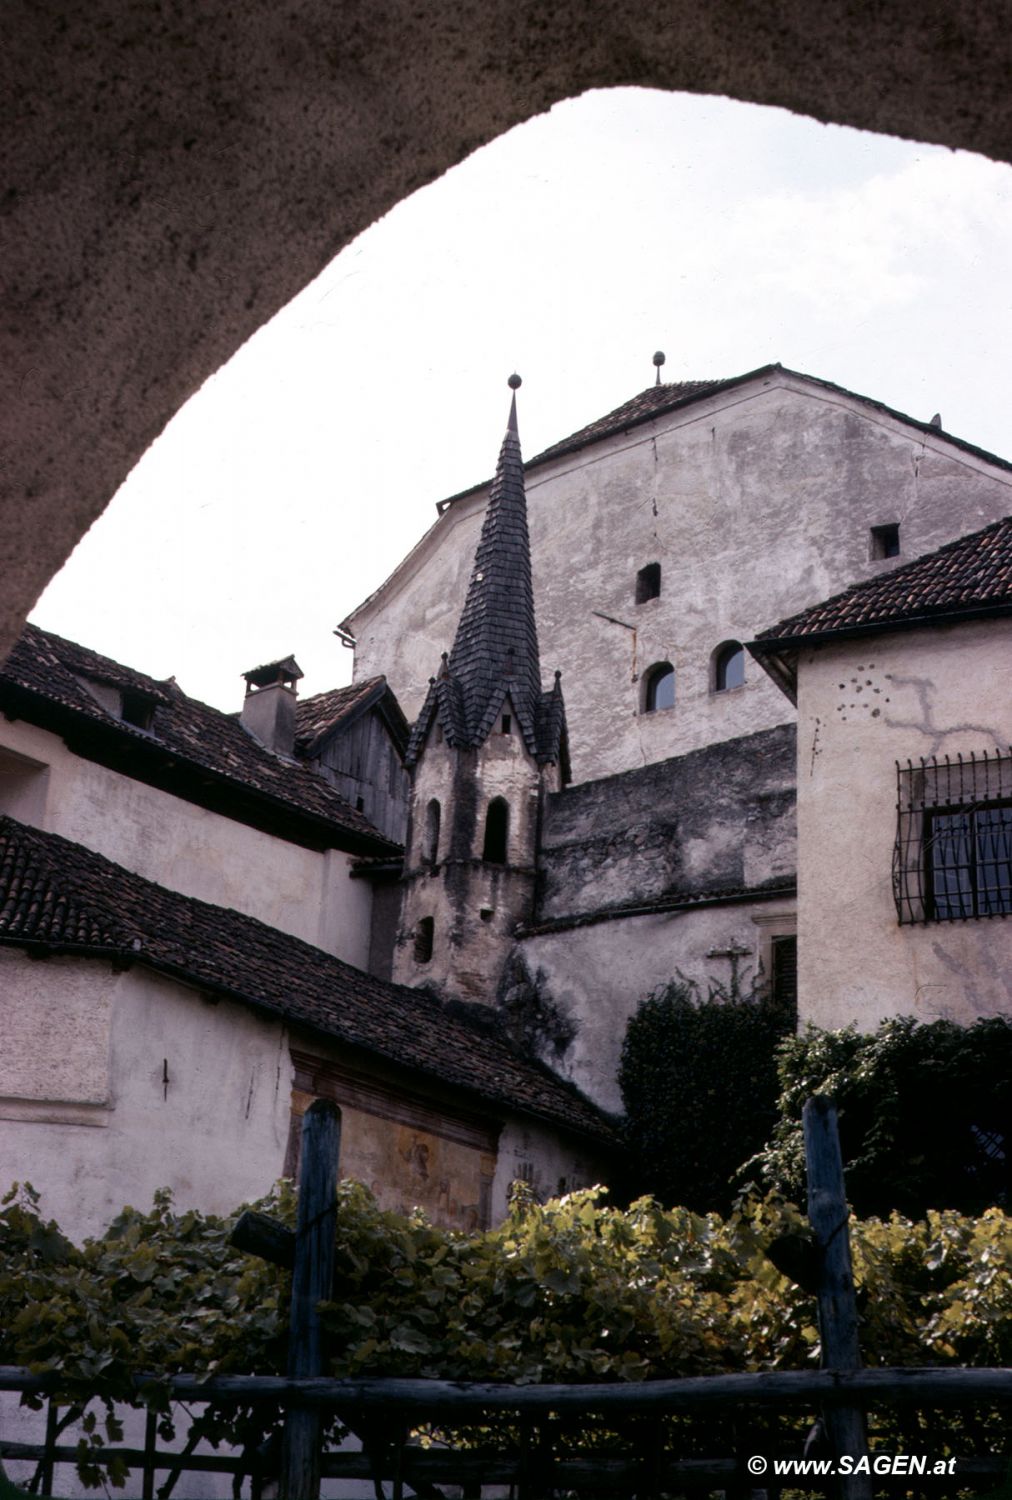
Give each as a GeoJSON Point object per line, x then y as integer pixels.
{"type": "Point", "coordinates": [268, 711]}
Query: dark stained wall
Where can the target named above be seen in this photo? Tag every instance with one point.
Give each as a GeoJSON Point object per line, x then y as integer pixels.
{"type": "Point", "coordinates": [717, 820]}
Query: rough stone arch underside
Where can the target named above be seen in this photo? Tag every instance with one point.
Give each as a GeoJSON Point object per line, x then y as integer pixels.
{"type": "Point", "coordinates": [175, 172]}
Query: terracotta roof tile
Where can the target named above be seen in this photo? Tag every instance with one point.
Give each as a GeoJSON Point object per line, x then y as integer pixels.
{"type": "Point", "coordinates": [965, 577]}
{"type": "Point", "coordinates": [62, 896]}
{"type": "Point", "coordinates": [42, 675]}
{"type": "Point", "coordinates": [325, 714]}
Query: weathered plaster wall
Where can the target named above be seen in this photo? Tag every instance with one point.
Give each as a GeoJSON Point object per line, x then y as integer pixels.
{"type": "Point", "coordinates": [189, 849]}
{"type": "Point", "coordinates": [115, 1084]}
{"type": "Point", "coordinates": [717, 819]}
{"type": "Point", "coordinates": [756, 503]}
{"type": "Point", "coordinates": [474, 905]}
{"type": "Point", "coordinates": [597, 975]}
{"type": "Point", "coordinates": [551, 1163]}
{"type": "Point", "coordinates": [196, 1094]}
{"type": "Point", "coordinates": [862, 707]}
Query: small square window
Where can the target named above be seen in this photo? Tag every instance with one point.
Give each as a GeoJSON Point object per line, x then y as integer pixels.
{"type": "Point", "coordinates": [885, 541]}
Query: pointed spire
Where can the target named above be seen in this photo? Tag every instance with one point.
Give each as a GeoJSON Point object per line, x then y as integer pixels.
{"type": "Point", "coordinates": [496, 647]}
{"type": "Point", "coordinates": [495, 651]}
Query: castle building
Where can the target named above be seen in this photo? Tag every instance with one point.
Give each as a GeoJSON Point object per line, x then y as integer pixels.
{"type": "Point", "coordinates": [437, 899]}
{"type": "Point", "coordinates": [663, 538]}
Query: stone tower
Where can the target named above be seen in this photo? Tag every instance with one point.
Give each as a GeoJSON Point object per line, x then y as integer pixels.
{"type": "Point", "coordinates": [488, 746]}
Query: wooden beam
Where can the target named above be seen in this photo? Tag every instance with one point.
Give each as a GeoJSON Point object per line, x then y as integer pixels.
{"type": "Point", "coordinates": [829, 1217]}
{"type": "Point", "coordinates": [259, 1234]}
{"type": "Point", "coordinates": [312, 1279]}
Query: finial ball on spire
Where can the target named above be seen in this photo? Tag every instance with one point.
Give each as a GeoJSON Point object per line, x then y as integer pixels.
{"type": "Point", "coordinates": [514, 382]}
{"type": "Point", "coordinates": [659, 358]}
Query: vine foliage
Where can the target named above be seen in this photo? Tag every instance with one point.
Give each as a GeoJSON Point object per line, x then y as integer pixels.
{"type": "Point", "coordinates": [572, 1290]}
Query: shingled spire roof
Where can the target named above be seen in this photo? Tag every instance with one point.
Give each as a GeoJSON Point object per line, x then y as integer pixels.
{"type": "Point", "coordinates": [495, 652]}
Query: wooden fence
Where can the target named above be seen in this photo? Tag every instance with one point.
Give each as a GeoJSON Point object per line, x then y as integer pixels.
{"type": "Point", "coordinates": [653, 1439]}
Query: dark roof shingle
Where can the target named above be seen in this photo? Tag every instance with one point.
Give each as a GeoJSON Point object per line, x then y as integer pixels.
{"type": "Point", "coordinates": [59, 895]}
{"type": "Point", "coordinates": [199, 746]}
{"type": "Point", "coordinates": [495, 650]}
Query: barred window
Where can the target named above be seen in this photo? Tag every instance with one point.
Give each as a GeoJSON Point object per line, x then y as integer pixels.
{"type": "Point", "coordinates": [953, 855]}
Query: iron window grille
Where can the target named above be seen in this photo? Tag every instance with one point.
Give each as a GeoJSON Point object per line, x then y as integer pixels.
{"type": "Point", "coordinates": [953, 855]}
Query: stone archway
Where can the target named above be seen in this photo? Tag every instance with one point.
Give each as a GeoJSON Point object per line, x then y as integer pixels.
{"type": "Point", "coordinates": [175, 172]}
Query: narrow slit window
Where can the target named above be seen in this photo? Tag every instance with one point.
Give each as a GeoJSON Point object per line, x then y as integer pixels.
{"type": "Point", "coordinates": [425, 933]}
{"type": "Point", "coordinates": [507, 724]}
{"type": "Point", "coordinates": [497, 825]}
{"type": "Point", "coordinates": [430, 847]}
{"type": "Point", "coordinates": [648, 583]}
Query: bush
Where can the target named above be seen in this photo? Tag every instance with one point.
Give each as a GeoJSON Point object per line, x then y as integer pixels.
{"type": "Point", "coordinates": [699, 1083]}
{"type": "Point", "coordinates": [924, 1114]}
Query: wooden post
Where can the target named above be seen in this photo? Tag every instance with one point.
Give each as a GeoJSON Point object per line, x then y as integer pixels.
{"type": "Point", "coordinates": [312, 1279]}
{"type": "Point", "coordinates": [828, 1216]}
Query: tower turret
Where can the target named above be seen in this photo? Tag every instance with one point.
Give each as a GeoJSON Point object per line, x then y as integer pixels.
{"type": "Point", "coordinates": [488, 745]}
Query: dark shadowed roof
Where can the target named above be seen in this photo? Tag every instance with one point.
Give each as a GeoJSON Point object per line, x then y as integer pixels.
{"type": "Point", "coordinates": [967, 579]}
{"type": "Point", "coordinates": [495, 651]}
{"type": "Point", "coordinates": [188, 748]}
{"type": "Point", "coordinates": [63, 898]}
{"type": "Point", "coordinates": [317, 718]}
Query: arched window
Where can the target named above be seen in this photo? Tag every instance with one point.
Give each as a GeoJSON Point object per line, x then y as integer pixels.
{"type": "Point", "coordinates": [728, 666]}
{"type": "Point", "coordinates": [425, 933]}
{"type": "Point", "coordinates": [648, 583]}
{"type": "Point", "coordinates": [497, 828]}
{"type": "Point", "coordinates": [430, 845]}
{"type": "Point", "coordinates": [659, 687]}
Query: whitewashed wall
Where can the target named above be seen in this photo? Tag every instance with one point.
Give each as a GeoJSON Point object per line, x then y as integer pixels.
{"type": "Point", "coordinates": [863, 707]}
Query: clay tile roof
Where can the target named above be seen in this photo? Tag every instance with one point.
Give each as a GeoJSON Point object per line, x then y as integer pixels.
{"type": "Point", "coordinates": [189, 748]}
{"type": "Point", "coordinates": [327, 713]}
{"type": "Point", "coordinates": [649, 403]}
{"type": "Point", "coordinates": [970, 576]}
{"type": "Point", "coordinates": [57, 894]}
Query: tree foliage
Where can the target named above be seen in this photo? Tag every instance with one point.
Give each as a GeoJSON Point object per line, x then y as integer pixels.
{"type": "Point", "coordinates": [569, 1290]}
{"type": "Point", "coordinates": [699, 1083]}
{"type": "Point", "coordinates": [924, 1114]}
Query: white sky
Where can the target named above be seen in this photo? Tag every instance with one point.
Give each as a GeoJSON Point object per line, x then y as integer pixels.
{"type": "Point", "coordinates": [570, 249]}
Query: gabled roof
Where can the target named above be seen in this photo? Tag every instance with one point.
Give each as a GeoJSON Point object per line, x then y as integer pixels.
{"type": "Point", "coordinates": [641, 408]}
{"type": "Point", "coordinates": [189, 749]}
{"type": "Point", "coordinates": [657, 401]}
{"type": "Point", "coordinates": [967, 579]}
{"type": "Point", "coordinates": [317, 718]}
{"type": "Point", "coordinates": [58, 897]}
{"type": "Point", "coordinates": [495, 654]}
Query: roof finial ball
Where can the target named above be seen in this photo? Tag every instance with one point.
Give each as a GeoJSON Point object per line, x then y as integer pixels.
{"type": "Point", "coordinates": [514, 382]}
{"type": "Point", "coordinates": [658, 361]}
